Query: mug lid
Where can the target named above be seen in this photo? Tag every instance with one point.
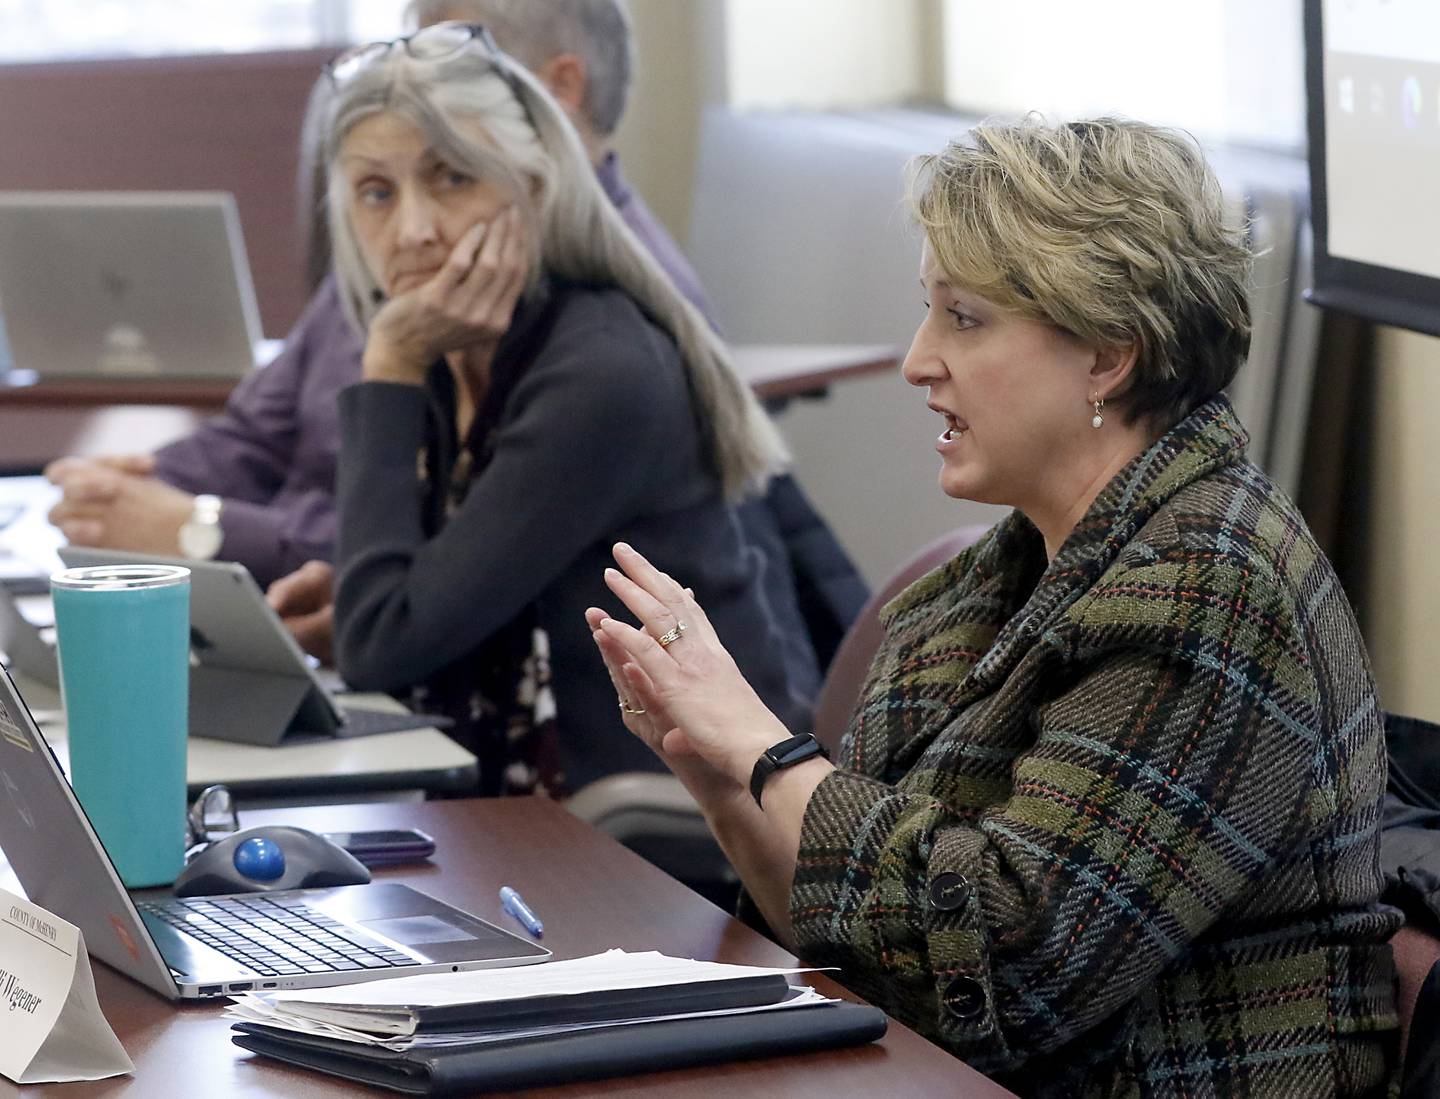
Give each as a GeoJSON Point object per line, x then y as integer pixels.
{"type": "Point", "coordinates": [120, 577]}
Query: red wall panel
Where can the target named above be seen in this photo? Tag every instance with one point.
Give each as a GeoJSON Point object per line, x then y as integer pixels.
{"type": "Point", "coordinates": [225, 122]}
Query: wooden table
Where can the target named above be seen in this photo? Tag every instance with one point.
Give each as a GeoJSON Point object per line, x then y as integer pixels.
{"type": "Point", "coordinates": [46, 418]}
{"type": "Point", "coordinates": [92, 416]}
{"type": "Point", "coordinates": [777, 371]}
{"type": "Point", "coordinates": [207, 395]}
{"type": "Point", "coordinates": [592, 894]}
{"type": "Point", "coordinates": [774, 370]}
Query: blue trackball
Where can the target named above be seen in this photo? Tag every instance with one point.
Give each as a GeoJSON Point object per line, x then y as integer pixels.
{"type": "Point", "coordinates": [260, 859]}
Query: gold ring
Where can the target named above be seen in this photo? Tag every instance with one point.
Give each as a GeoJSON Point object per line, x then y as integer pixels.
{"type": "Point", "coordinates": [669, 637]}
{"type": "Point", "coordinates": [627, 708]}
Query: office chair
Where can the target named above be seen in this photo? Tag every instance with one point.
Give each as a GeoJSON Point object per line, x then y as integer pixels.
{"type": "Point", "coordinates": [841, 689]}
{"type": "Point", "coordinates": [1410, 860]}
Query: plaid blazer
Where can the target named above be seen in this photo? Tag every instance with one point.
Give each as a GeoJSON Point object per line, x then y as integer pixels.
{"type": "Point", "coordinates": [1108, 824]}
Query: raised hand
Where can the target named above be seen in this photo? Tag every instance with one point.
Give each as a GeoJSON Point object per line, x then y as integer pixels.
{"type": "Point", "coordinates": [675, 669]}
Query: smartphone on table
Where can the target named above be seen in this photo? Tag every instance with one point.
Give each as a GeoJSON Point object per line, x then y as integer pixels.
{"type": "Point", "coordinates": [381, 848]}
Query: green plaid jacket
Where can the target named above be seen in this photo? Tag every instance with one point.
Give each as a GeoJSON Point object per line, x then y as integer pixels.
{"type": "Point", "coordinates": [1108, 825]}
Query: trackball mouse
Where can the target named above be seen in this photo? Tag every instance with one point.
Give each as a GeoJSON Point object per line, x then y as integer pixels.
{"type": "Point", "coordinates": [262, 860]}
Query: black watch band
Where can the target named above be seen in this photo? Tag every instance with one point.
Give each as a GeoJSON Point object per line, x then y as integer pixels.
{"type": "Point", "coordinates": [785, 754]}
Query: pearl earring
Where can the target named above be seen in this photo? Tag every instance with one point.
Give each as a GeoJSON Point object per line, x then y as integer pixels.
{"type": "Point", "coordinates": [1098, 421]}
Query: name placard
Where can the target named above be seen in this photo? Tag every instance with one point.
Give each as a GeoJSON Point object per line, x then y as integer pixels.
{"type": "Point", "coordinates": [54, 1029]}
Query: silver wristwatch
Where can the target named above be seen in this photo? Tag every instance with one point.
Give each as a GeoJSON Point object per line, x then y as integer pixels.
{"type": "Point", "coordinates": [200, 535]}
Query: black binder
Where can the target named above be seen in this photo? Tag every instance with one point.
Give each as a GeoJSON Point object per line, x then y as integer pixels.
{"type": "Point", "coordinates": [573, 1056]}
{"type": "Point", "coordinates": [608, 1005]}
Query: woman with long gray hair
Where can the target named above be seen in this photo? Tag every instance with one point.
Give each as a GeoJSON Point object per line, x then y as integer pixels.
{"type": "Point", "coordinates": [533, 390]}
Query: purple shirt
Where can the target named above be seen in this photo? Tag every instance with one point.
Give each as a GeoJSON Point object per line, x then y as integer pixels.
{"type": "Point", "coordinates": [271, 454]}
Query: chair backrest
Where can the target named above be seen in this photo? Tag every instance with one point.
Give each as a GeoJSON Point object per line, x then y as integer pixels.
{"type": "Point", "coordinates": [1416, 954]}
{"type": "Point", "coordinates": [841, 689]}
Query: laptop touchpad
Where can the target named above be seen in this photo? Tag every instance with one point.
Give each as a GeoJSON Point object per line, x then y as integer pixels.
{"type": "Point", "coordinates": [417, 930]}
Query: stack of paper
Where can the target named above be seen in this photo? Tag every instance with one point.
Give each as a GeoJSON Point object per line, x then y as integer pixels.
{"type": "Point", "coordinates": [610, 989]}
{"type": "Point", "coordinates": [607, 1015]}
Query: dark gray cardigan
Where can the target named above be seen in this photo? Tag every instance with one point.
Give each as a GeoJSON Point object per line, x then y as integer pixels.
{"type": "Point", "coordinates": [597, 443]}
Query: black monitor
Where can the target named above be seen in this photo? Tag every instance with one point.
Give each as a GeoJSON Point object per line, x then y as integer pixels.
{"type": "Point", "coordinates": [1372, 75]}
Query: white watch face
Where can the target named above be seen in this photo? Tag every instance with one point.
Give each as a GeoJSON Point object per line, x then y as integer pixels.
{"type": "Point", "coordinates": [201, 541]}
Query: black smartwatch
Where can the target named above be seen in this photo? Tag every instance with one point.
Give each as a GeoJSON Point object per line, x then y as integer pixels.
{"type": "Point", "coordinates": [785, 754]}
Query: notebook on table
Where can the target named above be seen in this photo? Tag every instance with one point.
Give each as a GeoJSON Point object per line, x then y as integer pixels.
{"type": "Point", "coordinates": [126, 285]}
{"type": "Point", "coordinates": [204, 947]}
{"type": "Point", "coordinates": [572, 1056]}
{"type": "Point", "coordinates": [249, 679]}
{"type": "Point", "coordinates": [585, 1019]}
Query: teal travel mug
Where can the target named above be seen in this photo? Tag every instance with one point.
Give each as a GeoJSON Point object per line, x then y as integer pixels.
{"type": "Point", "coordinates": [123, 633]}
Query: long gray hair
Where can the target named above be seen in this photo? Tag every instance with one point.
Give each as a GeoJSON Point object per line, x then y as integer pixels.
{"type": "Point", "coordinates": [536, 152]}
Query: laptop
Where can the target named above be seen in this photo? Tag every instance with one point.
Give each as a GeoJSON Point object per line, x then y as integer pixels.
{"type": "Point", "coordinates": [28, 545]}
{"type": "Point", "coordinates": [28, 648]}
{"type": "Point", "coordinates": [126, 284]}
{"type": "Point", "coordinates": [249, 680]}
{"type": "Point", "coordinates": [28, 542]}
{"type": "Point", "coordinates": [193, 947]}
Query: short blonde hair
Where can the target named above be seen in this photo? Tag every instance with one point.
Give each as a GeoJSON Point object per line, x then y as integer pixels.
{"type": "Point", "coordinates": [1113, 230]}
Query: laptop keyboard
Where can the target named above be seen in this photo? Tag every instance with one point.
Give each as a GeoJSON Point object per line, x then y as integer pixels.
{"type": "Point", "coordinates": [362, 722]}
{"type": "Point", "coordinates": [277, 936]}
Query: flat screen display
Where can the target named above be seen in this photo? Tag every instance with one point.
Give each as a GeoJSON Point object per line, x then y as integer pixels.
{"type": "Point", "coordinates": [1373, 76]}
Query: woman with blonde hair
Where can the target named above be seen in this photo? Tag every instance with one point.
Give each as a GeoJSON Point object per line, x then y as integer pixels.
{"type": "Point", "coordinates": [534, 388]}
{"type": "Point", "coordinates": [1105, 819]}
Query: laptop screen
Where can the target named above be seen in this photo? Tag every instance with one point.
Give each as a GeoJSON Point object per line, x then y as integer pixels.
{"type": "Point", "coordinates": [126, 284]}
{"type": "Point", "coordinates": [56, 855]}
{"type": "Point", "coordinates": [28, 543]}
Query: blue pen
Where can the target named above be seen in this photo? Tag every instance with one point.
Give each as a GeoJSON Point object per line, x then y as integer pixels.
{"type": "Point", "coordinates": [514, 904]}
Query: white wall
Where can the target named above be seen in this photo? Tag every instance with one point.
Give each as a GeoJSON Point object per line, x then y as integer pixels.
{"type": "Point", "coordinates": [823, 53]}
{"type": "Point", "coordinates": [1225, 69]}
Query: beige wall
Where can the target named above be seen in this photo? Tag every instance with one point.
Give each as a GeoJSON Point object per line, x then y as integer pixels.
{"type": "Point", "coordinates": [688, 59]}
{"type": "Point", "coordinates": [1401, 615]}
{"type": "Point", "coordinates": [657, 140]}
{"type": "Point", "coordinates": [825, 53]}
